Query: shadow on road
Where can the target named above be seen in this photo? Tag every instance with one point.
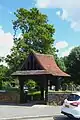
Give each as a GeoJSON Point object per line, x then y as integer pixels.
{"type": "Point", "coordinates": [61, 117]}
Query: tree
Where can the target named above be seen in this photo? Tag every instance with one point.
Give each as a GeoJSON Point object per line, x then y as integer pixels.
{"type": "Point", "coordinates": [73, 66]}
{"type": "Point", "coordinates": [31, 84]}
{"type": "Point", "coordinates": [2, 59]}
{"type": "Point", "coordinates": [36, 34]}
{"type": "Point", "coordinates": [3, 74]}
{"type": "Point", "coordinates": [61, 63]}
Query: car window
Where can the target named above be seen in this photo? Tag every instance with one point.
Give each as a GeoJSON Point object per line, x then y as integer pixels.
{"type": "Point", "coordinates": [73, 97]}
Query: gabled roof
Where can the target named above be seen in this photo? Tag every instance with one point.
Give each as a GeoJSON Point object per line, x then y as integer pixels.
{"type": "Point", "coordinates": [49, 64]}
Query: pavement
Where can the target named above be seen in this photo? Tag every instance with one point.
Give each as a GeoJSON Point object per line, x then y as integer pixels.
{"type": "Point", "coordinates": [25, 112]}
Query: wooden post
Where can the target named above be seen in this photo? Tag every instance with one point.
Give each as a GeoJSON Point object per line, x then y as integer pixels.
{"type": "Point", "coordinates": [21, 83]}
{"type": "Point", "coordinates": [42, 93]}
{"type": "Point", "coordinates": [46, 90]}
{"type": "Point", "coordinates": [50, 84]}
{"type": "Point", "coordinates": [42, 88]}
{"type": "Point", "coordinates": [57, 87]}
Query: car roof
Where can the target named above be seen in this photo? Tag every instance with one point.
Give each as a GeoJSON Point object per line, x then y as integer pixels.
{"type": "Point", "coordinates": [77, 93]}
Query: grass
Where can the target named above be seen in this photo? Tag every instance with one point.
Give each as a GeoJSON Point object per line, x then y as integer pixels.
{"type": "Point", "coordinates": [50, 91]}
{"type": "Point", "coordinates": [60, 91]}
{"type": "Point", "coordinates": [33, 93]}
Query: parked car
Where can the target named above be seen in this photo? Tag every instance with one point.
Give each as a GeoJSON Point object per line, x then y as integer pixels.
{"type": "Point", "coordinates": [71, 106]}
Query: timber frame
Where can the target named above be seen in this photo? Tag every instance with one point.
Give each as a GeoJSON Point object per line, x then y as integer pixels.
{"type": "Point", "coordinates": [43, 69]}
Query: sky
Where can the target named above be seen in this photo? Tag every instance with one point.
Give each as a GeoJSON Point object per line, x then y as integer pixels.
{"type": "Point", "coordinates": [63, 14]}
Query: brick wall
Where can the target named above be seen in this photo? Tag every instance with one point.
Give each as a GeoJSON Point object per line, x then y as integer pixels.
{"type": "Point", "coordinates": [9, 97]}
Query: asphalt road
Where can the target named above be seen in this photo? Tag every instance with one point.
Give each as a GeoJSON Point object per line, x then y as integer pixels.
{"type": "Point", "coordinates": [7, 111]}
{"type": "Point", "coordinates": [35, 112]}
{"type": "Point", "coordinates": [58, 117]}
{"type": "Point", "coordinates": [61, 117]}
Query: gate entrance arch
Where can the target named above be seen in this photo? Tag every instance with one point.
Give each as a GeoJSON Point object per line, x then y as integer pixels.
{"type": "Point", "coordinates": [42, 68]}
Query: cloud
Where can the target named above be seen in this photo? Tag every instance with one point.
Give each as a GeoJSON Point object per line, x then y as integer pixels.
{"type": "Point", "coordinates": [75, 25]}
{"type": "Point", "coordinates": [64, 48]}
{"type": "Point", "coordinates": [63, 15]}
{"type": "Point", "coordinates": [61, 45]}
{"type": "Point", "coordinates": [0, 27]}
{"type": "Point", "coordinates": [70, 10]}
{"type": "Point", "coordinates": [58, 13]}
{"type": "Point", "coordinates": [43, 3]}
{"type": "Point", "coordinates": [67, 51]}
{"type": "Point", "coordinates": [58, 3]}
{"type": "Point", "coordinates": [6, 43]}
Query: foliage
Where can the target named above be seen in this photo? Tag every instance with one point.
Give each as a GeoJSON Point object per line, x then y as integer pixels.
{"type": "Point", "coordinates": [6, 85]}
{"type": "Point", "coordinates": [2, 59]}
{"type": "Point", "coordinates": [34, 92]}
{"type": "Point", "coordinates": [36, 34]}
{"type": "Point", "coordinates": [34, 95]}
{"type": "Point", "coordinates": [31, 84]}
{"type": "Point", "coordinates": [61, 63]}
{"type": "Point", "coordinates": [5, 77]}
{"type": "Point", "coordinates": [73, 64]}
{"type": "Point", "coordinates": [3, 74]}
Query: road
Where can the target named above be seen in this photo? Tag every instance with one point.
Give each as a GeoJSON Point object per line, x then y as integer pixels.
{"type": "Point", "coordinates": [58, 117]}
{"type": "Point", "coordinates": [61, 117]}
{"type": "Point", "coordinates": [35, 112]}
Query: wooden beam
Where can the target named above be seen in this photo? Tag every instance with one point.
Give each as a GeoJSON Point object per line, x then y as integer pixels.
{"type": "Point", "coordinates": [21, 83]}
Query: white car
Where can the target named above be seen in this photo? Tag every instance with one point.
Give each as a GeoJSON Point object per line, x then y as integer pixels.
{"type": "Point", "coordinates": [71, 106]}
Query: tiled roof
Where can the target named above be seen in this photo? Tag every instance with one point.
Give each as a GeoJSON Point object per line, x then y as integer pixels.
{"type": "Point", "coordinates": [49, 64]}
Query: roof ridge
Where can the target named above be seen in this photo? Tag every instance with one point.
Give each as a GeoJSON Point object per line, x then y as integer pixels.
{"type": "Point", "coordinates": [43, 54]}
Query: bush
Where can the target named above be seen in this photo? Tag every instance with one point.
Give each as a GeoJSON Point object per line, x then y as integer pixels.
{"type": "Point", "coordinates": [31, 84]}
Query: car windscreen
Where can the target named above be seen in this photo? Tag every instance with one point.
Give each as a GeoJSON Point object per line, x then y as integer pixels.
{"type": "Point", "coordinates": [73, 97]}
